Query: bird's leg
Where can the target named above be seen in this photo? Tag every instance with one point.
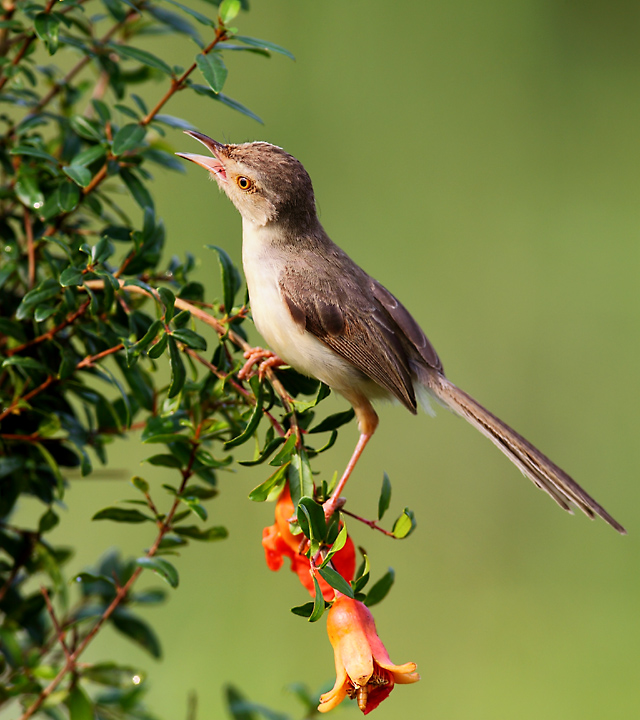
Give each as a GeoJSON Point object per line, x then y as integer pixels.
{"type": "Point", "coordinates": [367, 421]}
{"type": "Point", "coordinates": [332, 503]}
{"type": "Point", "coordinates": [264, 358]}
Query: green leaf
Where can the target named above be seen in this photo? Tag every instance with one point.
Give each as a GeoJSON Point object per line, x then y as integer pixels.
{"type": "Point", "coordinates": [71, 276]}
{"type": "Point", "coordinates": [137, 630]}
{"type": "Point", "coordinates": [146, 339]}
{"type": "Point", "coordinates": [88, 129]}
{"type": "Point", "coordinates": [333, 422]}
{"type": "Point", "coordinates": [269, 448]}
{"type": "Point", "coordinates": [47, 289]}
{"type": "Point", "coordinates": [178, 373]}
{"type": "Point", "coordinates": [164, 460]}
{"type": "Point", "coordinates": [190, 338]}
{"type": "Point", "coordinates": [140, 484]}
{"type": "Point", "coordinates": [404, 525]}
{"type": "Point", "coordinates": [304, 610]}
{"type": "Point", "coordinates": [213, 69]}
{"type": "Point", "coordinates": [169, 301]}
{"type": "Point", "coordinates": [286, 452]}
{"type": "Point", "coordinates": [252, 425]}
{"type": "Point", "coordinates": [228, 10]}
{"type": "Point", "coordinates": [53, 466]}
{"type": "Point", "coordinates": [46, 26]}
{"type": "Point", "coordinates": [385, 496]}
{"type": "Point", "coordinates": [300, 477]}
{"type": "Point", "coordinates": [127, 138]}
{"type": "Point", "coordinates": [158, 349]}
{"type": "Point", "coordinates": [380, 590]}
{"type": "Point", "coordinates": [141, 56]}
{"type": "Point", "coordinates": [338, 544]}
{"type": "Point", "coordinates": [68, 197]}
{"type": "Point", "coordinates": [311, 519]}
{"type": "Point", "coordinates": [336, 581]}
{"type": "Point", "coordinates": [89, 155]}
{"type": "Point", "coordinates": [161, 567]}
{"type": "Point", "coordinates": [262, 492]}
{"type": "Point", "coordinates": [79, 174]}
{"type": "Point", "coordinates": [33, 152]}
{"type": "Point", "coordinates": [79, 705]}
{"type": "Point", "coordinates": [110, 674]}
{"type": "Point", "coordinates": [202, 19]}
{"type": "Point", "coordinates": [318, 602]}
{"type": "Point", "coordinates": [140, 193]}
{"type": "Point", "coordinates": [122, 515]}
{"type": "Point", "coordinates": [230, 277]}
{"type": "Point", "coordinates": [28, 191]}
{"type": "Point", "coordinates": [304, 405]}
{"type": "Point", "coordinates": [102, 110]}
{"type": "Point", "coordinates": [48, 521]}
{"type": "Point", "coordinates": [27, 363]}
{"type": "Point", "coordinates": [195, 533]}
{"type": "Point", "coordinates": [225, 100]}
{"type": "Point", "coordinates": [263, 45]}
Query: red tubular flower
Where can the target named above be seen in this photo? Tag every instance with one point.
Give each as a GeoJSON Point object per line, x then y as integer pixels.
{"type": "Point", "coordinates": [279, 542]}
{"type": "Point", "coordinates": [363, 668]}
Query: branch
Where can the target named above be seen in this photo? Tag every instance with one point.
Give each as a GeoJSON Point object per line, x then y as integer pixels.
{"type": "Point", "coordinates": [371, 523]}
{"type": "Point", "coordinates": [121, 593]}
{"type": "Point", "coordinates": [25, 46]}
{"type": "Point", "coordinates": [249, 397]}
{"type": "Point", "coordinates": [83, 62]}
{"type": "Point", "coordinates": [222, 330]}
{"type": "Point", "coordinates": [55, 622]}
{"type": "Point", "coordinates": [89, 361]}
{"type": "Point", "coordinates": [49, 335]}
{"type": "Point", "coordinates": [221, 34]}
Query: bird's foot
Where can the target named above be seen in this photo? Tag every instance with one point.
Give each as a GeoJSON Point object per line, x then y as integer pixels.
{"type": "Point", "coordinates": [264, 359]}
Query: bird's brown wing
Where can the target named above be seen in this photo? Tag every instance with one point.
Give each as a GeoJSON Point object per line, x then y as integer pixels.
{"type": "Point", "coordinates": [363, 332]}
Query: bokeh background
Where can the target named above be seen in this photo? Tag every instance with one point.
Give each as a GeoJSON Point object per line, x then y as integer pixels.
{"type": "Point", "coordinates": [482, 161]}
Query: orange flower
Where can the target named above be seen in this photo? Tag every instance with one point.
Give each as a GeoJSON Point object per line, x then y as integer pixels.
{"type": "Point", "coordinates": [363, 668]}
{"type": "Point", "coordinates": [279, 542]}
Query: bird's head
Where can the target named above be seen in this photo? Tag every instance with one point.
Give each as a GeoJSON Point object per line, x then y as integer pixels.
{"type": "Point", "coordinates": [265, 183]}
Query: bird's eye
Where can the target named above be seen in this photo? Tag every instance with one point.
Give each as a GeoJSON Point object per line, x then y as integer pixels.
{"type": "Point", "coordinates": [243, 182]}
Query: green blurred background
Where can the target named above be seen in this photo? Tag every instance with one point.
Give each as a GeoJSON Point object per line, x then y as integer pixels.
{"type": "Point", "coordinates": [482, 161]}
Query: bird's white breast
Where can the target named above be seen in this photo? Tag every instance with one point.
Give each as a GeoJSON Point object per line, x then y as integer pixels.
{"type": "Point", "coordinates": [264, 262]}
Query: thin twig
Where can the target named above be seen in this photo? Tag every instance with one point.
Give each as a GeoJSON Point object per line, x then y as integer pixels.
{"type": "Point", "coordinates": [60, 632]}
{"type": "Point", "coordinates": [371, 523]}
{"type": "Point", "coordinates": [25, 46]}
{"type": "Point", "coordinates": [83, 62]}
{"type": "Point", "coordinates": [50, 334]}
{"type": "Point", "coordinates": [88, 361]}
{"type": "Point", "coordinates": [178, 84]}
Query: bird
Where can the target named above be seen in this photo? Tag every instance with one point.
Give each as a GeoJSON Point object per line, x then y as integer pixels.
{"type": "Point", "coordinates": [323, 315]}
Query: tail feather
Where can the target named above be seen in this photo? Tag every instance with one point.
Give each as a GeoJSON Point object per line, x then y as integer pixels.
{"type": "Point", "coordinates": [532, 463]}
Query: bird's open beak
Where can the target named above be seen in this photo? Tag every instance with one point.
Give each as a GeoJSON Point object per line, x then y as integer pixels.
{"type": "Point", "coordinates": [212, 164]}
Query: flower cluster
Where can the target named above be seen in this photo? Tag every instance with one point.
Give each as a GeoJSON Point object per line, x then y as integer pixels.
{"type": "Point", "coordinates": [364, 671]}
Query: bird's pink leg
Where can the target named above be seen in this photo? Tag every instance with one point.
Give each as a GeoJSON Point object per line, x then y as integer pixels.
{"type": "Point", "coordinates": [331, 504]}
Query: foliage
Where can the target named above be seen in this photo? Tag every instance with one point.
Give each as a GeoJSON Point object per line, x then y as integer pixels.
{"type": "Point", "coordinates": [99, 338]}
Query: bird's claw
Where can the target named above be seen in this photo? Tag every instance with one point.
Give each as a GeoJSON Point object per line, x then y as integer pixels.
{"type": "Point", "coordinates": [265, 359]}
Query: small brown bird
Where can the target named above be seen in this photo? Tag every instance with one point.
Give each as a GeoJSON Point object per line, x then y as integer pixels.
{"type": "Point", "coordinates": [324, 316]}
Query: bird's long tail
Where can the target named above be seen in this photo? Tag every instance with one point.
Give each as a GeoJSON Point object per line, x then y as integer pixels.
{"type": "Point", "coordinates": [536, 466]}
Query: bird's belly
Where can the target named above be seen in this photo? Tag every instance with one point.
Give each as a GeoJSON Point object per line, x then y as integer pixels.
{"type": "Point", "coordinates": [297, 347]}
